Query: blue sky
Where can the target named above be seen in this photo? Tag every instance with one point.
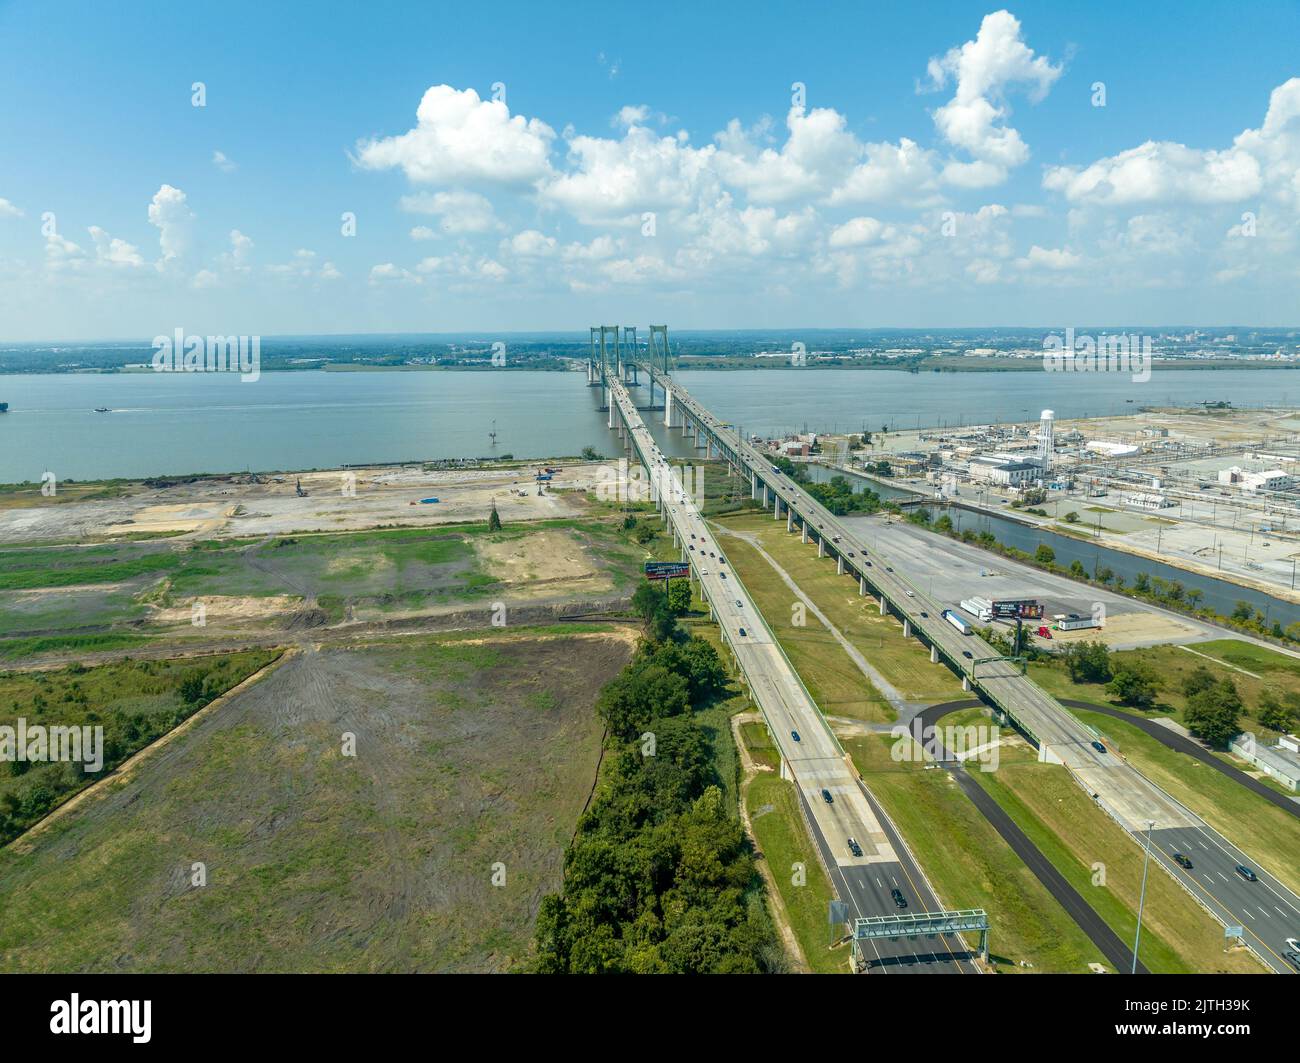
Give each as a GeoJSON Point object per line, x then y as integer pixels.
{"type": "Point", "coordinates": [945, 166]}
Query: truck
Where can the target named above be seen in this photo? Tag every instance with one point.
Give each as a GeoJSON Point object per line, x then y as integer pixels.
{"type": "Point", "coordinates": [957, 621]}
{"type": "Point", "coordinates": [1044, 632]}
{"type": "Point", "coordinates": [980, 608]}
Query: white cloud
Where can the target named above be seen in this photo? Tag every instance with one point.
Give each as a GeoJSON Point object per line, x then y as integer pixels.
{"type": "Point", "coordinates": [856, 232]}
{"type": "Point", "coordinates": [1259, 161]}
{"type": "Point", "coordinates": [974, 119]}
{"type": "Point", "coordinates": [170, 214]}
{"type": "Point", "coordinates": [1055, 259]}
{"type": "Point", "coordinates": [222, 163]}
{"type": "Point", "coordinates": [531, 244]}
{"type": "Point", "coordinates": [460, 212]}
{"type": "Point", "coordinates": [8, 210]}
{"type": "Point", "coordinates": [461, 139]}
{"type": "Point", "coordinates": [114, 252]}
{"type": "Point", "coordinates": [388, 273]}
{"type": "Point", "coordinates": [423, 232]}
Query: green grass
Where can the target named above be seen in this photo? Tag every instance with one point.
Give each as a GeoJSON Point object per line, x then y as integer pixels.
{"type": "Point", "coordinates": [773, 808]}
{"type": "Point", "coordinates": [135, 702]}
{"type": "Point", "coordinates": [970, 865]}
{"type": "Point", "coordinates": [759, 742]}
{"type": "Point", "coordinates": [1081, 841]}
{"type": "Point", "coordinates": [1269, 834]}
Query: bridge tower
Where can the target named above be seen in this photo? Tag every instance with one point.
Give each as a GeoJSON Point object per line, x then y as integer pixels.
{"type": "Point", "coordinates": [629, 374]}
{"type": "Point", "coordinates": [656, 353]}
{"type": "Point", "coordinates": [606, 349]}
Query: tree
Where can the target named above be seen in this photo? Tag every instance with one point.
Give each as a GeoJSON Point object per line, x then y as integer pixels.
{"type": "Point", "coordinates": [1198, 679]}
{"type": "Point", "coordinates": [1213, 713]}
{"type": "Point", "coordinates": [1132, 683]}
{"type": "Point", "coordinates": [1077, 570]}
{"type": "Point", "coordinates": [679, 596]}
{"type": "Point", "coordinates": [590, 454]}
{"type": "Point", "coordinates": [494, 519]}
{"type": "Point", "coordinates": [1273, 714]}
{"type": "Point", "coordinates": [1088, 662]}
{"type": "Point", "coordinates": [1072, 517]}
{"type": "Point", "coordinates": [1044, 555]}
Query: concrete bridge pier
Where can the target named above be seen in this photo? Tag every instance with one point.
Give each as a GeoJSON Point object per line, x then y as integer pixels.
{"type": "Point", "coordinates": [765, 496]}
{"type": "Point", "coordinates": [789, 520]}
{"type": "Point", "coordinates": [668, 408]}
{"type": "Point", "coordinates": [884, 606]}
{"type": "Point", "coordinates": [839, 565]}
{"type": "Point", "coordinates": [803, 531]}
{"type": "Point", "coordinates": [934, 654]}
{"type": "Point", "coordinates": [965, 682]}
{"type": "Point", "coordinates": [821, 547]}
{"type": "Point", "coordinates": [776, 508]}
{"type": "Point", "coordinates": [862, 586]}
{"type": "Point", "coordinates": [785, 771]}
{"type": "Point", "coordinates": [907, 628]}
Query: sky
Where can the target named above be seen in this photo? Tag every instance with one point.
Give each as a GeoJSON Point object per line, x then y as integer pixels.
{"type": "Point", "coordinates": [304, 168]}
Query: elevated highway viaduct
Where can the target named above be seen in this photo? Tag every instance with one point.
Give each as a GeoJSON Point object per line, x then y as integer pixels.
{"type": "Point", "coordinates": [1267, 910]}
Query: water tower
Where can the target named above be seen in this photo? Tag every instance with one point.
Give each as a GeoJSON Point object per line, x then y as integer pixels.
{"type": "Point", "coordinates": [1045, 440]}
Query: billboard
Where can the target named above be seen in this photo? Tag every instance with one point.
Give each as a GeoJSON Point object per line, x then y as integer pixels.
{"type": "Point", "coordinates": [667, 570]}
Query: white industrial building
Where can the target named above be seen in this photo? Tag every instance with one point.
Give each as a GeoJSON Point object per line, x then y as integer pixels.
{"type": "Point", "coordinates": [995, 469]}
{"type": "Point", "coordinates": [1252, 482]}
{"type": "Point", "coordinates": [1279, 762]}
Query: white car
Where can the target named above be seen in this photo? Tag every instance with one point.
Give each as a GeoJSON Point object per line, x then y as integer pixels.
{"type": "Point", "coordinates": [911, 594]}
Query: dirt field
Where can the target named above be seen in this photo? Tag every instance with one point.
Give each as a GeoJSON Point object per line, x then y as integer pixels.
{"type": "Point", "coordinates": [470, 754]}
{"type": "Point", "coordinates": [335, 500]}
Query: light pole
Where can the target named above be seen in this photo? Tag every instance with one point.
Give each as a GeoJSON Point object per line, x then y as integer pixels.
{"type": "Point", "coordinates": [1142, 898]}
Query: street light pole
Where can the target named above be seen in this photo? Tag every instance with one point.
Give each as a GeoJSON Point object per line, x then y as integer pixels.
{"type": "Point", "coordinates": [1142, 897]}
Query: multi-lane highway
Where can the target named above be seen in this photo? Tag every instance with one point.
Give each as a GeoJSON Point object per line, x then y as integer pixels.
{"type": "Point", "coordinates": [862, 853]}
{"type": "Point", "coordinates": [1268, 911]}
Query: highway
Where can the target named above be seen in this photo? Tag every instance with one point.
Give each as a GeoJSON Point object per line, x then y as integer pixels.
{"type": "Point", "coordinates": [810, 752]}
{"type": "Point", "coordinates": [1266, 909]}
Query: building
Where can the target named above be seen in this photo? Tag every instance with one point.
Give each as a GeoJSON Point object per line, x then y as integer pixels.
{"type": "Point", "coordinates": [1111, 450]}
{"type": "Point", "coordinates": [1279, 762]}
{"type": "Point", "coordinates": [1265, 480]}
{"type": "Point", "coordinates": [998, 470]}
{"type": "Point", "coordinates": [1147, 500]}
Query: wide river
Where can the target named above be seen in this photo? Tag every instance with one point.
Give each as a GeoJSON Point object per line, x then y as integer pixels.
{"type": "Point", "coordinates": [171, 424]}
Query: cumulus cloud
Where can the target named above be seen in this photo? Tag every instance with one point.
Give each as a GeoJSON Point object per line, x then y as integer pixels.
{"type": "Point", "coordinates": [8, 210]}
{"type": "Point", "coordinates": [222, 163]}
{"type": "Point", "coordinates": [169, 212]}
{"type": "Point", "coordinates": [1263, 160]}
{"type": "Point", "coordinates": [458, 212]}
{"type": "Point", "coordinates": [974, 120]}
{"type": "Point", "coordinates": [111, 251]}
{"type": "Point", "coordinates": [460, 139]}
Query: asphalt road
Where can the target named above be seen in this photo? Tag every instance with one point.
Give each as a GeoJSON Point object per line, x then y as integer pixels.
{"type": "Point", "coordinates": [809, 749]}
{"type": "Point", "coordinates": [1130, 798]}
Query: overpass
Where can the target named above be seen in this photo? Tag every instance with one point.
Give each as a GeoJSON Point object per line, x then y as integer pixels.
{"type": "Point", "coordinates": [861, 851]}
{"type": "Point", "coordinates": [1269, 914]}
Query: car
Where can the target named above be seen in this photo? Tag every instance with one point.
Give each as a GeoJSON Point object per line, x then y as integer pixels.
{"type": "Point", "coordinates": [692, 535]}
{"type": "Point", "coordinates": [854, 847]}
{"type": "Point", "coordinates": [911, 594]}
{"type": "Point", "coordinates": [740, 604]}
{"type": "Point", "coordinates": [723, 575]}
{"type": "Point", "coordinates": [867, 563]}
{"type": "Point", "coordinates": [899, 900]}
{"type": "Point", "coordinates": [1182, 861]}
{"type": "Point", "coordinates": [826, 796]}
{"type": "Point", "coordinates": [888, 568]}
{"type": "Point", "coordinates": [1098, 747]}
{"type": "Point", "coordinates": [742, 632]}
{"type": "Point", "coordinates": [835, 538]}
{"type": "Point", "coordinates": [692, 547]}
{"type": "Point", "coordinates": [1293, 943]}
{"type": "Point", "coordinates": [968, 655]}
{"type": "Point", "coordinates": [925, 615]}
{"type": "Point", "coordinates": [721, 560]}
{"type": "Point", "coordinates": [1246, 873]}
{"type": "Point", "coordinates": [852, 554]}
{"type": "Point", "coordinates": [1294, 959]}
{"type": "Point", "coordinates": [795, 736]}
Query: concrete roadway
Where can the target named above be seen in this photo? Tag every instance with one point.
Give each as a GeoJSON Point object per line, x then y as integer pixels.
{"type": "Point", "coordinates": [814, 759]}
{"type": "Point", "coordinates": [1127, 795]}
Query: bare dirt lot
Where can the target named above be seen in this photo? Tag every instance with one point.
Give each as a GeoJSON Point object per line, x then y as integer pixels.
{"type": "Point", "coordinates": [474, 757]}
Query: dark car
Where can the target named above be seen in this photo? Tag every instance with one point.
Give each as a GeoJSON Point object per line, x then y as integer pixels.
{"type": "Point", "coordinates": [742, 632]}
{"type": "Point", "coordinates": [925, 615]}
{"type": "Point", "coordinates": [888, 568]}
{"type": "Point", "coordinates": [899, 900]}
{"type": "Point", "coordinates": [1247, 873]}
{"type": "Point", "coordinates": [1294, 958]}
{"type": "Point", "coordinates": [826, 796]}
{"type": "Point", "coordinates": [1182, 861]}
{"type": "Point", "coordinates": [723, 575]}
{"type": "Point", "coordinates": [854, 847]}
{"type": "Point", "coordinates": [1098, 747]}
{"type": "Point", "coordinates": [968, 655]}
{"type": "Point", "coordinates": [795, 735]}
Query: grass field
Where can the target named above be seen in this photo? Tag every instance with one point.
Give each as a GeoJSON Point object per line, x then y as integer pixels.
{"type": "Point", "coordinates": [904, 663]}
{"type": "Point", "coordinates": [134, 702]}
{"type": "Point", "coordinates": [473, 759]}
{"type": "Point", "coordinates": [1084, 844]}
{"type": "Point", "coordinates": [773, 807]}
{"type": "Point", "coordinates": [1269, 834]}
{"type": "Point", "coordinates": [1273, 671]}
{"type": "Point", "coordinates": [970, 865]}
